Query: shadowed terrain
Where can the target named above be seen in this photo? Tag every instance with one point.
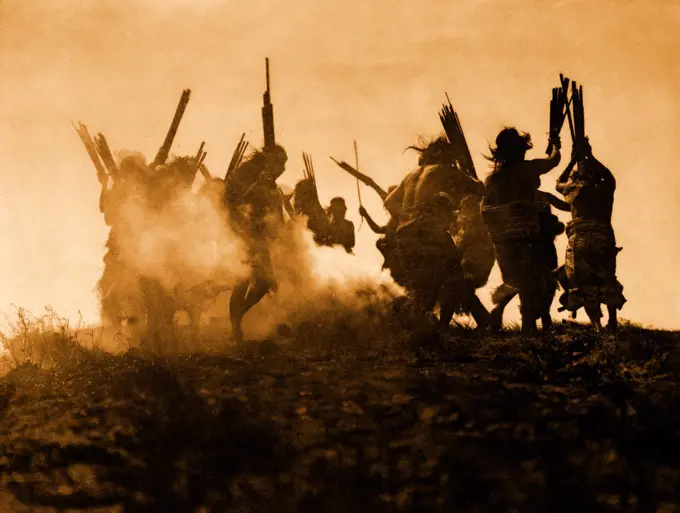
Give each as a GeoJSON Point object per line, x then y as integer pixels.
{"type": "Point", "coordinates": [337, 418]}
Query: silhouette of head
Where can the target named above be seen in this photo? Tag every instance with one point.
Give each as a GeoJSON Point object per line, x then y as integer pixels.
{"type": "Point", "coordinates": [439, 151]}
{"type": "Point", "coordinates": [511, 146]}
{"type": "Point", "coordinates": [260, 161]}
{"type": "Point", "coordinates": [277, 161]}
{"type": "Point", "coordinates": [338, 208]}
{"type": "Point", "coordinates": [133, 168]}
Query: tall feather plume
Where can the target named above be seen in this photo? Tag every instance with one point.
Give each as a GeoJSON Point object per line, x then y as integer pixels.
{"type": "Point", "coordinates": [456, 137]}
{"type": "Point", "coordinates": [237, 156]}
{"type": "Point", "coordinates": [309, 172]}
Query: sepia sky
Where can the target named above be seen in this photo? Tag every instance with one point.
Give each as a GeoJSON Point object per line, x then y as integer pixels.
{"type": "Point", "coordinates": [371, 70]}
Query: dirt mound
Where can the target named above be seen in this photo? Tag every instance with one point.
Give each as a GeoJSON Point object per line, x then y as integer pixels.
{"type": "Point", "coordinates": [461, 422]}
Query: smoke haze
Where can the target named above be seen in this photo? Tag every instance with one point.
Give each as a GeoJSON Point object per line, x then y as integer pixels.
{"type": "Point", "coordinates": [375, 71]}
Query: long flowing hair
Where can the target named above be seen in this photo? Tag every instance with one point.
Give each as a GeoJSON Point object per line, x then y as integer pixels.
{"type": "Point", "coordinates": [255, 163]}
{"type": "Point", "coordinates": [245, 175]}
{"type": "Point", "coordinates": [511, 147]}
{"type": "Point", "coordinates": [255, 160]}
{"type": "Point", "coordinates": [439, 151]}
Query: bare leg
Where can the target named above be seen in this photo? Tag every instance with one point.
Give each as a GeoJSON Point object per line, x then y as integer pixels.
{"type": "Point", "coordinates": [546, 319]}
{"type": "Point", "coordinates": [594, 314]}
{"type": "Point", "coordinates": [530, 312]}
{"type": "Point", "coordinates": [244, 297]}
{"type": "Point", "coordinates": [420, 308]}
{"type": "Point", "coordinates": [256, 292]}
{"type": "Point", "coordinates": [447, 305]}
{"type": "Point", "coordinates": [612, 322]}
{"type": "Point", "coordinates": [479, 312]}
{"type": "Point", "coordinates": [445, 313]}
{"type": "Point", "coordinates": [496, 315]}
{"type": "Point", "coordinates": [194, 320]}
{"type": "Point", "coordinates": [546, 322]}
{"type": "Point", "coordinates": [425, 302]}
{"type": "Point", "coordinates": [236, 311]}
{"type": "Point", "coordinates": [472, 303]}
{"type": "Point", "coordinates": [529, 326]}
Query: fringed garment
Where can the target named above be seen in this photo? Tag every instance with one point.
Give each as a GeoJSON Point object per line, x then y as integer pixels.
{"type": "Point", "coordinates": [590, 266]}
{"type": "Point", "coordinates": [429, 262]}
{"type": "Point", "coordinates": [516, 235]}
{"type": "Point", "coordinates": [473, 240]}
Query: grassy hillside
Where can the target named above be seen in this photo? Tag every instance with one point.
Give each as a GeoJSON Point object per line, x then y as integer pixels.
{"type": "Point", "coordinates": [341, 416]}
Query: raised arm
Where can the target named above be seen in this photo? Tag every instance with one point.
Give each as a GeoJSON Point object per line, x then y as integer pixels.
{"type": "Point", "coordinates": [538, 167]}
{"type": "Point", "coordinates": [563, 181]}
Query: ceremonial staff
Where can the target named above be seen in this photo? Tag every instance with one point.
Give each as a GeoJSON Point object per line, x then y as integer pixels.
{"type": "Point", "coordinates": [164, 150]}
{"type": "Point", "coordinates": [356, 164]}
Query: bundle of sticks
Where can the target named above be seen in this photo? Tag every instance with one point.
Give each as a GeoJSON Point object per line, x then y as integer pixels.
{"type": "Point", "coordinates": [571, 108]}
{"type": "Point", "coordinates": [309, 174]}
{"type": "Point", "coordinates": [559, 109]}
{"type": "Point", "coordinates": [105, 153]}
{"type": "Point", "coordinates": [198, 160]}
{"type": "Point", "coordinates": [237, 156]}
{"type": "Point", "coordinates": [268, 114]}
{"type": "Point", "coordinates": [581, 147]}
{"type": "Point", "coordinates": [99, 152]}
{"type": "Point", "coordinates": [309, 168]}
{"type": "Point", "coordinates": [456, 137]}
{"type": "Point", "coordinates": [164, 151]}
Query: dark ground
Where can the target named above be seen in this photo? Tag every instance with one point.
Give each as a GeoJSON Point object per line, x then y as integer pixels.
{"type": "Point", "coordinates": [563, 423]}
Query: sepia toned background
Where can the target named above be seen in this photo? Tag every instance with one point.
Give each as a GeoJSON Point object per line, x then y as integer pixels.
{"type": "Point", "coordinates": [375, 71]}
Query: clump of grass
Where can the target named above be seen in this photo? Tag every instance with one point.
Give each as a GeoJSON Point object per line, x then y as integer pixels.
{"type": "Point", "coordinates": [45, 341]}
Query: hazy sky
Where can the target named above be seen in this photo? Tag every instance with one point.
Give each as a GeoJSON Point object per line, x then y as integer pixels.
{"type": "Point", "coordinates": [371, 70]}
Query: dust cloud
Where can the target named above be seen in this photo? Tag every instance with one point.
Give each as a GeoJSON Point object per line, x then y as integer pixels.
{"type": "Point", "coordinates": [375, 72]}
{"type": "Point", "coordinates": [317, 280]}
{"type": "Point", "coordinates": [183, 244]}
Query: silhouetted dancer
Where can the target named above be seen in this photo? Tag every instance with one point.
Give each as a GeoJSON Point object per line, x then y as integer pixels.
{"type": "Point", "coordinates": [256, 213]}
{"type": "Point", "coordinates": [511, 215]}
{"type": "Point", "coordinates": [341, 230]}
{"type": "Point", "coordinates": [590, 263]}
{"type": "Point", "coordinates": [430, 261]}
